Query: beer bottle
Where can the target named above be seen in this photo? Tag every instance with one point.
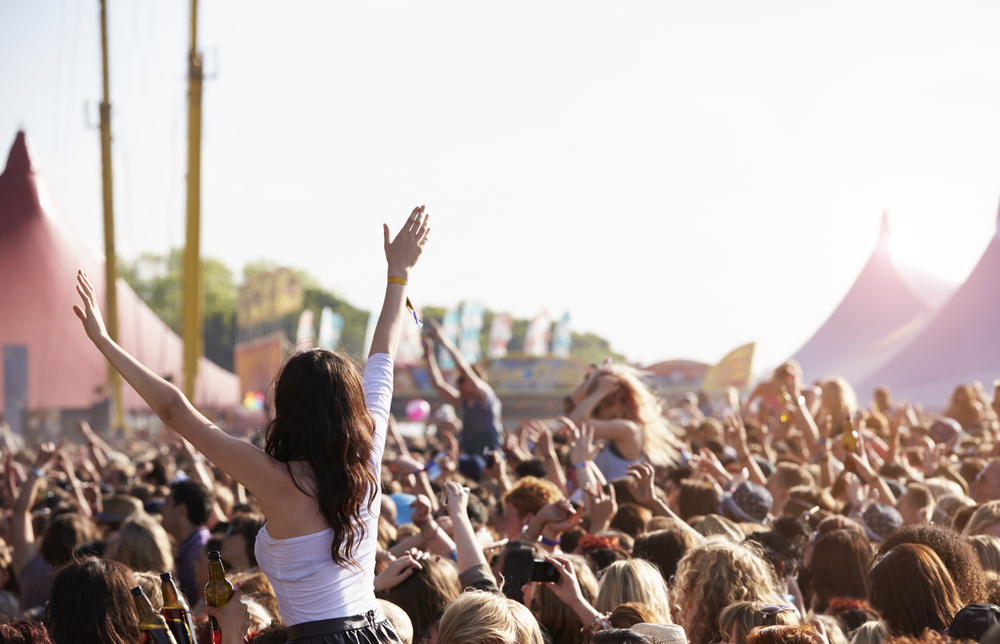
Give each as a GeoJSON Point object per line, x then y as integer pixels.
{"type": "Point", "coordinates": [849, 439]}
{"type": "Point", "coordinates": [218, 591]}
{"type": "Point", "coordinates": [151, 622]}
{"type": "Point", "coordinates": [177, 612]}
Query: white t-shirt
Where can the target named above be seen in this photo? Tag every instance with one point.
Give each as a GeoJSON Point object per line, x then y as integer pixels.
{"type": "Point", "coordinates": [309, 586]}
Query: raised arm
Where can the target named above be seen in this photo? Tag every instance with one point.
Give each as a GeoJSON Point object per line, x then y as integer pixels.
{"type": "Point", "coordinates": [258, 472]}
{"type": "Point", "coordinates": [401, 254]}
{"type": "Point", "coordinates": [461, 363]}
{"type": "Point", "coordinates": [448, 393]}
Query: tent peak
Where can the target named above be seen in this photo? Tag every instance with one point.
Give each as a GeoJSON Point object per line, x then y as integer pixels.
{"type": "Point", "coordinates": [19, 159]}
{"type": "Point", "coordinates": [997, 235]}
{"type": "Point", "coordinates": [883, 233]}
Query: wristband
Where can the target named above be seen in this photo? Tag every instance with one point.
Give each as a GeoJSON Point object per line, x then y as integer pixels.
{"type": "Point", "coordinates": [37, 472]}
{"type": "Point", "coordinates": [550, 542]}
{"type": "Point", "coordinates": [579, 465]}
{"type": "Point", "coordinates": [398, 280]}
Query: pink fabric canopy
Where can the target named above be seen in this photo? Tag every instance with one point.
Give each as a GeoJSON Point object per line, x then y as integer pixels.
{"type": "Point", "coordinates": [958, 346]}
{"type": "Point", "coordinates": [877, 318]}
{"type": "Point", "coordinates": [39, 257]}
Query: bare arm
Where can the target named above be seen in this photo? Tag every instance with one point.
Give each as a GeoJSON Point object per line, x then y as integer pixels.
{"type": "Point", "coordinates": [467, 547]}
{"type": "Point", "coordinates": [401, 254]}
{"type": "Point", "coordinates": [461, 363]}
{"type": "Point", "coordinates": [448, 393]}
{"type": "Point", "coordinates": [642, 482]}
{"type": "Point", "coordinates": [738, 439]}
{"type": "Point", "coordinates": [260, 473]}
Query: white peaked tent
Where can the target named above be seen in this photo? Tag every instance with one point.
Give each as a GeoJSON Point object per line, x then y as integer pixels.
{"type": "Point", "coordinates": [958, 346]}
{"type": "Point", "coordinates": [877, 318]}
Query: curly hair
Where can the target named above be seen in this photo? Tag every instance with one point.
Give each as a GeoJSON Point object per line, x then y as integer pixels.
{"type": "Point", "coordinates": [531, 494]}
{"type": "Point", "coordinates": [957, 554]}
{"type": "Point", "coordinates": [714, 575]}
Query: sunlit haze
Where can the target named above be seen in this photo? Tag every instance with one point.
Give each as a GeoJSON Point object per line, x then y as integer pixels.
{"type": "Point", "coordinates": [683, 178]}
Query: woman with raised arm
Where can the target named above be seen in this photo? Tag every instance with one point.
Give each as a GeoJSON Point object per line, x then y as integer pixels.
{"type": "Point", "coordinates": [625, 414]}
{"type": "Point", "coordinates": [317, 478]}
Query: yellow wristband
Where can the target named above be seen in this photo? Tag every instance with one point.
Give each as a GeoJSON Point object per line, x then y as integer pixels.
{"type": "Point", "coordinates": [398, 280]}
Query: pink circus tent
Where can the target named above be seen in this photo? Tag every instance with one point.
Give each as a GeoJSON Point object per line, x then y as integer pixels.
{"type": "Point", "coordinates": [879, 316]}
{"type": "Point", "coordinates": [958, 346]}
{"type": "Point", "coordinates": [39, 257]}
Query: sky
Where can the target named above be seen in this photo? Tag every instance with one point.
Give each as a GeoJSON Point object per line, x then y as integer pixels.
{"type": "Point", "coordinates": [683, 178]}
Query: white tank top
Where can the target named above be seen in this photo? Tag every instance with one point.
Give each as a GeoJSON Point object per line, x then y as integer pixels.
{"type": "Point", "coordinates": [308, 585]}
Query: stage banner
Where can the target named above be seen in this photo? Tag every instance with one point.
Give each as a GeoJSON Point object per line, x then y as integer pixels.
{"type": "Point", "coordinates": [257, 362]}
{"type": "Point", "coordinates": [536, 338]}
{"type": "Point", "coordinates": [500, 335]}
{"type": "Point", "coordinates": [331, 325]}
{"type": "Point", "coordinates": [561, 340]}
{"type": "Point", "coordinates": [472, 327]}
{"type": "Point", "coordinates": [450, 326]}
{"type": "Point", "coordinates": [732, 371]}
{"type": "Point", "coordinates": [542, 376]}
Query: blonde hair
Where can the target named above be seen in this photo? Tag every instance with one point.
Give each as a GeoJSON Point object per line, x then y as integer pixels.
{"type": "Point", "coordinates": [713, 575]}
{"type": "Point", "coordinates": [838, 400]}
{"type": "Point", "coordinates": [988, 549]}
{"type": "Point", "coordinates": [640, 405]}
{"type": "Point", "coordinates": [874, 632]}
{"type": "Point", "coordinates": [747, 616]}
{"type": "Point", "coordinates": [152, 586]}
{"type": "Point", "coordinates": [486, 618]}
{"type": "Point", "coordinates": [633, 580]}
{"type": "Point", "coordinates": [986, 515]}
{"type": "Point", "coordinates": [143, 545]}
{"type": "Point", "coordinates": [941, 487]}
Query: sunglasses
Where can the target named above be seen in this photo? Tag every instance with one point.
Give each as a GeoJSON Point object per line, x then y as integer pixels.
{"type": "Point", "coordinates": [770, 614]}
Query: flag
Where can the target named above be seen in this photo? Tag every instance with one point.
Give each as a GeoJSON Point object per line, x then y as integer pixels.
{"type": "Point", "coordinates": [306, 335]}
{"type": "Point", "coordinates": [732, 371]}
{"type": "Point", "coordinates": [331, 325]}
{"type": "Point", "coordinates": [561, 340]}
{"type": "Point", "coordinates": [500, 335]}
{"type": "Point", "coordinates": [472, 327]}
{"type": "Point", "coordinates": [536, 338]}
{"type": "Point", "coordinates": [450, 326]}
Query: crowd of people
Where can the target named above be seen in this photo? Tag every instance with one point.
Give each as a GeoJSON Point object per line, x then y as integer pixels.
{"type": "Point", "coordinates": [794, 515]}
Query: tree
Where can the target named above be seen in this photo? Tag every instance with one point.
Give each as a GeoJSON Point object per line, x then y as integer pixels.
{"type": "Point", "coordinates": [157, 280]}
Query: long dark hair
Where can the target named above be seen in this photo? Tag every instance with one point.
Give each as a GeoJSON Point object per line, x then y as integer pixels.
{"type": "Point", "coordinates": [320, 417]}
{"type": "Point", "coordinates": [91, 602]}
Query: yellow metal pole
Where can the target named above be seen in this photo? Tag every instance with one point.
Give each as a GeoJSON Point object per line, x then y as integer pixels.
{"type": "Point", "coordinates": [192, 301]}
{"type": "Point", "coordinates": [110, 271]}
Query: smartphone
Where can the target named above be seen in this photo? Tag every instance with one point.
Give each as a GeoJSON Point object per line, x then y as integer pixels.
{"type": "Point", "coordinates": [544, 571]}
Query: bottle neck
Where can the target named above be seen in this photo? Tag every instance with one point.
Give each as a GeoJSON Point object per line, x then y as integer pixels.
{"type": "Point", "coordinates": [216, 572]}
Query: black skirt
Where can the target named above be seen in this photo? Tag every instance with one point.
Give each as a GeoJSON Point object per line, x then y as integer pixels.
{"type": "Point", "coordinates": [370, 628]}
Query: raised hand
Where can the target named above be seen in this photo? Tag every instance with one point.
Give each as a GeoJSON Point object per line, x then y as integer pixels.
{"type": "Point", "coordinates": [421, 510]}
{"type": "Point", "coordinates": [396, 572]}
{"type": "Point", "coordinates": [601, 506]}
{"type": "Point", "coordinates": [403, 252]}
{"type": "Point", "coordinates": [458, 498]}
{"type": "Point", "coordinates": [89, 314]}
{"type": "Point", "coordinates": [582, 448]}
{"type": "Point", "coordinates": [641, 480]}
